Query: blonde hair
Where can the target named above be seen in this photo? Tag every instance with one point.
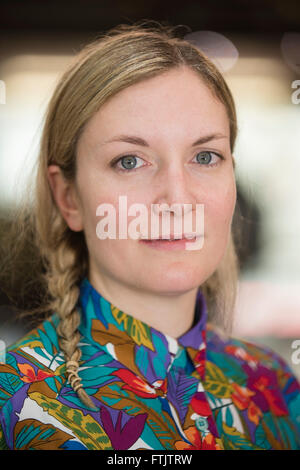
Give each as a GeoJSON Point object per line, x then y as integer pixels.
{"type": "Point", "coordinates": [117, 59]}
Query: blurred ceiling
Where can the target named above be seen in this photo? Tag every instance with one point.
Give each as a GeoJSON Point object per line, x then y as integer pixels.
{"type": "Point", "coordinates": [247, 16]}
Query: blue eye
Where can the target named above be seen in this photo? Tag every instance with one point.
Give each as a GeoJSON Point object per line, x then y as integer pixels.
{"type": "Point", "coordinates": [206, 157]}
{"type": "Point", "coordinates": [128, 163]}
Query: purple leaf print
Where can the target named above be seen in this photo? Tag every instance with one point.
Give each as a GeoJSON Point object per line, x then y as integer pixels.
{"type": "Point", "coordinates": [122, 438]}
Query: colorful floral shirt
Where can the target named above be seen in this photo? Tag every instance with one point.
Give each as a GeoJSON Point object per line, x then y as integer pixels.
{"type": "Point", "coordinates": [201, 391]}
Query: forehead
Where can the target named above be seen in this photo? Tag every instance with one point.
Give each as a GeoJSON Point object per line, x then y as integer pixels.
{"type": "Point", "coordinates": [176, 104]}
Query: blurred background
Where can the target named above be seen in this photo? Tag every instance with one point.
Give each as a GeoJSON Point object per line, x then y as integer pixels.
{"type": "Point", "coordinates": [256, 44]}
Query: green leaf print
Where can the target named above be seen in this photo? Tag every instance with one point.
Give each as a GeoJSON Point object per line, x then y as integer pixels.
{"type": "Point", "coordinates": [85, 427]}
{"type": "Point", "coordinates": [229, 367]}
{"type": "Point", "coordinates": [233, 439]}
{"type": "Point", "coordinates": [216, 383]}
{"type": "Point", "coordinates": [138, 330]}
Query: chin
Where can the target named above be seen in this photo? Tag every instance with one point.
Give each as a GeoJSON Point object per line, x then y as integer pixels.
{"type": "Point", "coordinates": [174, 282]}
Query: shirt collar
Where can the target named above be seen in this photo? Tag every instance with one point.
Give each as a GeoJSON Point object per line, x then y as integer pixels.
{"type": "Point", "coordinates": [136, 344]}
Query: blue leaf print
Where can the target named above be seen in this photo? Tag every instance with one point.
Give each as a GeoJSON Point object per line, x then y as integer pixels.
{"type": "Point", "coordinates": [46, 342]}
{"type": "Point", "coordinates": [96, 376]}
{"type": "Point", "coordinates": [51, 333]}
{"type": "Point", "coordinates": [10, 383]}
{"type": "Point", "coordinates": [73, 445]}
{"type": "Point", "coordinates": [229, 366]}
{"type": "Point", "coordinates": [27, 434]}
{"type": "Point", "coordinates": [228, 417]}
{"type": "Point", "coordinates": [100, 358]}
{"type": "Point", "coordinates": [50, 381]}
{"type": "Point", "coordinates": [97, 309]}
{"type": "Point", "coordinates": [287, 434]}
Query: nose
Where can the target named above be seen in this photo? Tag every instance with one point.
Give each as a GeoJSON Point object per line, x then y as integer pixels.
{"type": "Point", "coordinates": [175, 193]}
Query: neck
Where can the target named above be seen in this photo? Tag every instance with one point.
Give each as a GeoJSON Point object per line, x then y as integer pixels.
{"type": "Point", "coordinates": [170, 313]}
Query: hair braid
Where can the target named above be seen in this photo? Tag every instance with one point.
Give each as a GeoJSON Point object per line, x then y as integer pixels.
{"type": "Point", "coordinates": [63, 280]}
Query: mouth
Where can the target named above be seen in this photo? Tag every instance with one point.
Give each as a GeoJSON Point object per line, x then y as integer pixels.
{"type": "Point", "coordinates": [171, 243]}
{"type": "Point", "coordinates": [172, 238]}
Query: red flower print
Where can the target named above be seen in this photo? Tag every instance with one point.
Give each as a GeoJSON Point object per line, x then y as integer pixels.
{"type": "Point", "coordinates": [200, 363]}
{"type": "Point", "coordinates": [194, 436]}
{"type": "Point", "coordinates": [262, 384]}
{"type": "Point", "coordinates": [30, 375]}
{"type": "Point", "coordinates": [254, 413]}
{"type": "Point", "coordinates": [241, 399]}
{"type": "Point", "coordinates": [241, 353]}
{"type": "Point", "coordinates": [241, 396]}
{"type": "Point", "coordinates": [139, 386]}
{"type": "Point", "coordinates": [263, 381]}
{"type": "Point", "coordinates": [200, 406]}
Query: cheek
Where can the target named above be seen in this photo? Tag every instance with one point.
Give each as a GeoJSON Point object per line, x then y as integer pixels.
{"type": "Point", "coordinates": [220, 207]}
{"type": "Point", "coordinates": [115, 210]}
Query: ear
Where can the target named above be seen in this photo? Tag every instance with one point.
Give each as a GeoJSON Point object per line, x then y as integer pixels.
{"type": "Point", "coordinates": [66, 198]}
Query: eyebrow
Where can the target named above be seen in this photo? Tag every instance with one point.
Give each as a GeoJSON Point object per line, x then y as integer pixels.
{"type": "Point", "coordinates": [132, 139]}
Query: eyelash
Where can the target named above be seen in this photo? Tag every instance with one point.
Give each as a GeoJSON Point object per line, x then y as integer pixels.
{"type": "Point", "coordinates": [113, 164]}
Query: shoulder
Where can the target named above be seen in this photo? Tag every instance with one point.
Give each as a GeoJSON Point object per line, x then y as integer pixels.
{"type": "Point", "coordinates": [34, 358]}
{"type": "Point", "coordinates": [245, 352]}
{"type": "Point", "coordinates": [256, 370]}
{"type": "Point", "coordinates": [33, 368]}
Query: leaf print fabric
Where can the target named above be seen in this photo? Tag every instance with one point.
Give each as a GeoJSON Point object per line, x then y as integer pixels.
{"type": "Point", "coordinates": [201, 391]}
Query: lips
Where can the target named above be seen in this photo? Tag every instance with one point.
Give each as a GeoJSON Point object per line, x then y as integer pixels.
{"type": "Point", "coordinates": [188, 236]}
{"type": "Point", "coordinates": [165, 239]}
{"type": "Point", "coordinates": [165, 244]}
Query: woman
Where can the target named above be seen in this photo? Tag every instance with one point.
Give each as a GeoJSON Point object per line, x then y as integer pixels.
{"type": "Point", "coordinates": [128, 359]}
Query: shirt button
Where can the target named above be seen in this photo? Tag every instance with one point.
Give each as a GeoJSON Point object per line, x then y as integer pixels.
{"type": "Point", "coordinates": [201, 423]}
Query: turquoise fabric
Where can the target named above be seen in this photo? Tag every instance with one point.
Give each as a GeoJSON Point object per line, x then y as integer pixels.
{"type": "Point", "coordinates": [201, 391]}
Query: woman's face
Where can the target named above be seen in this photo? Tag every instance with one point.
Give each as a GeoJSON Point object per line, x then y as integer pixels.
{"type": "Point", "coordinates": [169, 112]}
